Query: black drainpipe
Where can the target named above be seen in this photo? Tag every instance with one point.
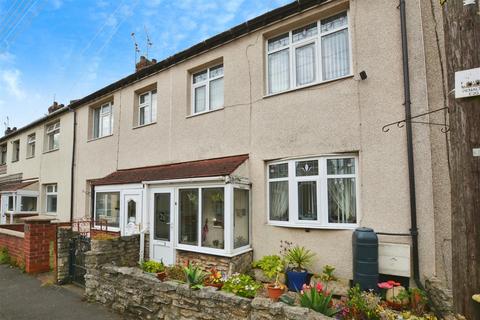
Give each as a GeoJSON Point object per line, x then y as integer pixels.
{"type": "Point", "coordinates": [72, 173]}
{"type": "Point", "coordinates": [411, 168]}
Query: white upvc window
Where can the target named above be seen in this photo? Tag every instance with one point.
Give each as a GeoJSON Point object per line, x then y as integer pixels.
{"type": "Point", "coordinates": [103, 120]}
{"type": "Point", "coordinates": [51, 196]}
{"type": "Point", "coordinates": [3, 154]}
{"type": "Point", "coordinates": [107, 209]}
{"type": "Point", "coordinates": [31, 142]}
{"type": "Point", "coordinates": [147, 108]}
{"type": "Point", "coordinates": [207, 90]}
{"type": "Point", "coordinates": [16, 151]}
{"type": "Point", "coordinates": [317, 52]}
{"type": "Point", "coordinates": [52, 135]}
{"type": "Point", "coordinates": [28, 203]}
{"type": "Point", "coordinates": [320, 192]}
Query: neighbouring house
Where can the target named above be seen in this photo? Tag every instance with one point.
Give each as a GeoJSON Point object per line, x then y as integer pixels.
{"type": "Point", "coordinates": [267, 132]}
{"type": "Point", "coordinates": [35, 169]}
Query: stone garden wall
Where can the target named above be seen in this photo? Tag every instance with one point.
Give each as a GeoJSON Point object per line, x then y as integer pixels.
{"type": "Point", "coordinates": [138, 295]}
{"type": "Point", "coordinates": [241, 263]}
{"type": "Point", "coordinates": [122, 251]}
{"type": "Point", "coordinates": [441, 299]}
{"type": "Point", "coordinates": [64, 235]}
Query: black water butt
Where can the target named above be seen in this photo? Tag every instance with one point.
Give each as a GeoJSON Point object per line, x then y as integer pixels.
{"type": "Point", "coordinates": [365, 258]}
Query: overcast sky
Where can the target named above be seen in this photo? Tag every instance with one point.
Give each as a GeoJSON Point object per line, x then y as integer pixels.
{"type": "Point", "coordinates": [69, 48]}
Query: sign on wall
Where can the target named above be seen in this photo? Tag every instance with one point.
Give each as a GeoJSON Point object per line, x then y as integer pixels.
{"type": "Point", "coordinates": [467, 83]}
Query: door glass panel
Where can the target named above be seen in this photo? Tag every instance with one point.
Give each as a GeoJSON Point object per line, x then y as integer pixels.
{"type": "Point", "coordinates": [188, 216]}
{"type": "Point", "coordinates": [132, 212]}
{"type": "Point", "coordinates": [161, 216]}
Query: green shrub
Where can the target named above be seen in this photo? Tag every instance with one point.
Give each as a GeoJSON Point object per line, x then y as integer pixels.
{"type": "Point", "coordinates": [194, 275]}
{"type": "Point", "coordinates": [5, 256]}
{"type": "Point", "coordinates": [318, 299]}
{"type": "Point", "coordinates": [299, 258]}
{"type": "Point", "coordinates": [327, 273]}
{"type": "Point", "coordinates": [153, 266]}
{"type": "Point", "coordinates": [242, 285]}
{"type": "Point", "coordinates": [270, 265]}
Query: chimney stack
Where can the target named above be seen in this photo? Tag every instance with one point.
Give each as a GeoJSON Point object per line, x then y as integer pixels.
{"type": "Point", "coordinates": [144, 63]}
{"type": "Point", "coordinates": [54, 107]}
{"type": "Point", "coordinates": [10, 130]}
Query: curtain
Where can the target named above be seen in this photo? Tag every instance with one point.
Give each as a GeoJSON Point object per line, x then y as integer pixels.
{"type": "Point", "coordinates": [305, 64]}
{"type": "Point", "coordinates": [154, 106]}
{"type": "Point", "coordinates": [241, 223]}
{"type": "Point", "coordinates": [335, 55]}
{"type": "Point", "coordinates": [96, 125]}
{"type": "Point", "coordinates": [216, 93]}
{"type": "Point", "coordinates": [279, 200]}
{"type": "Point", "coordinates": [278, 71]}
{"type": "Point", "coordinates": [341, 200]}
{"type": "Point", "coordinates": [307, 200]}
{"type": "Point", "coordinates": [200, 96]}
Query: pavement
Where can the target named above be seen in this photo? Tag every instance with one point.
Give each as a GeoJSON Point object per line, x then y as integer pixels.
{"type": "Point", "coordinates": [29, 297]}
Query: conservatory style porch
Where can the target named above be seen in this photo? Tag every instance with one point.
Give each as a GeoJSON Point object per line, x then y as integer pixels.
{"type": "Point", "coordinates": [196, 210]}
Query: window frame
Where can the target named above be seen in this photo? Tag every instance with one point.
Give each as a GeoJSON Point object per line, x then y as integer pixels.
{"type": "Point", "coordinates": [25, 194]}
{"type": "Point", "coordinates": [31, 145]}
{"type": "Point", "coordinates": [52, 193]}
{"type": "Point", "coordinates": [16, 150]}
{"type": "Point", "coordinates": [147, 104]}
{"type": "Point", "coordinates": [322, 193]}
{"type": "Point", "coordinates": [101, 116]}
{"type": "Point", "coordinates": [51, 130]}
{"type": "Point", "coordinates": [293, 46]}
{"type": "Point", "coordinates": [3, 154]}
{"type": "Point", "coordinates": [206, 83]}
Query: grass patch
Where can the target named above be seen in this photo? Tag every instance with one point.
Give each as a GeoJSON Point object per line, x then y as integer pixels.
{"type": "Point", "coordinates": [5, 256]}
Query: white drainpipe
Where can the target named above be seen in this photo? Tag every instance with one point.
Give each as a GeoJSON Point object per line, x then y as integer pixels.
{"type": "Point", "coordinates": [142, 245]}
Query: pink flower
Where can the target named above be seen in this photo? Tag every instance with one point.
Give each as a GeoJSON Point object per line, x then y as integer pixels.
{"type": "Point", "coordinates": [319, 287]}
{"type": "Point", "coordinates": [393, 283]}
{"type": "Point", "coordinates": [385, 285]}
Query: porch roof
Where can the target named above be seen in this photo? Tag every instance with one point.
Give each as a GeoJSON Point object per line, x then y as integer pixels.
{"type": "Point", "coordinates": [193, 169]}
{"type": "Point", "coordinates": [13, 186]}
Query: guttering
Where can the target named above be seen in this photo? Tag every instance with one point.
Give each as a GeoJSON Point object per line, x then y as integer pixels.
{"type": "Point", "coordinates": [191, 180]}
{"type": "Point", "coordinates": [408, 126]}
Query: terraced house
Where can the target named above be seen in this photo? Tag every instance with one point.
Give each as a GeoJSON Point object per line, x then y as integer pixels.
{"type": "Point", "coordinates": [272, 131]}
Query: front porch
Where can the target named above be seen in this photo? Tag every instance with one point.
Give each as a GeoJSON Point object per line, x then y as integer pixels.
{"type": "Point", "coordinates": [18, 199]}
{"type": "Point", "coordinates": [197, 211]}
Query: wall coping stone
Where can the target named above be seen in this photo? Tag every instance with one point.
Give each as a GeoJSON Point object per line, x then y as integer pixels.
{"type": "Point", "coordinates": [12, 233]}
{"type": "Point", "coordinates": [38, 219]}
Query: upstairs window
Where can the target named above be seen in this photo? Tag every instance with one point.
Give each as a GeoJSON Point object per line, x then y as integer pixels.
{"type": "Point", "coordinates": [207, 89]}
{"type": "Point", "coordinates": [317, 192]}
{"type": "Point", "coordinates": [317, 52]}
{"type": "Point", "coordinates": [3, 154]}
{"type": "Point", "coordinates": [51, 194]}
{"type": "Point", "coordinates": [31, 142]}
{"type": "Point", "coordinates": [102, 121]}
{"type": "Point", "coordinates": [52, 135]}
{"type": "Point", "coordinates": [16, 151]}
{"type": "Point", "coordinates": [147, 108]}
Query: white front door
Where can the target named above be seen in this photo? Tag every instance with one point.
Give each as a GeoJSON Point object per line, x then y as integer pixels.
{"type": "Point", "coordinates": [132, 202]}
{"type": "Point", "coordinates": [3, 209]}
{"type": "Point", "coordinates": [162, 225]}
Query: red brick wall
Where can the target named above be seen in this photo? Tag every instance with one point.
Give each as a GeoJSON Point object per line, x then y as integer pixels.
{"type": "Point", "coordinates": [40, 237]}
{"type": "Point", "coordinates": [14, 245]}
{"type": "Point", "coordinates": [15, 227]}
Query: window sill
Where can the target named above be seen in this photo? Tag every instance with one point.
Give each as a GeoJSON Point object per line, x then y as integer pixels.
{"type": "Point", "coordinates": [99, 138]}
{"type": "Point", "coordinates": [204, 112]}
{"type": "Point", "coordinates": [313, 226]}
{"type": "Point", "coordinates": [211, 251]}
{"type": "Point", "coordinates": [307, 86]}
{"type": "Point", "coordinates": [14, 161]}
{"type": "Point", "coordinates": [31, 157]}
{"type": "Point", "coordinates": [145, 125]}
{"type": "Point", "coordinates": [50, 151]}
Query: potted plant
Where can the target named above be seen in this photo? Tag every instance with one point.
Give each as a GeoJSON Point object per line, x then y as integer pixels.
{"type": "Point", "coordinates": [215, 279]}
{"type": "Point", "coordinates": [276, 289]}
{"type": "Point", "coordinates": [157, 268]}
{"type": "Point", "coordinates": [298, 259]}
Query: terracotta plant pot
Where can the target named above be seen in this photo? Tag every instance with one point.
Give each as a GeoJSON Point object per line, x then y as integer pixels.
{"type": "Point", "coordinates": [215, 285]}
{"type": "Point", "coordinates": [161, 275]}
{"type": "Point", "coordinates": [274, 293]}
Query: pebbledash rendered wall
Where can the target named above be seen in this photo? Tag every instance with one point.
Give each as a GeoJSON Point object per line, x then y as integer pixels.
{"type": "Point", "coordinates": [112, 281]}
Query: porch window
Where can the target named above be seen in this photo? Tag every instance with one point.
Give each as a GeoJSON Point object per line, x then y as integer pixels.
{"type": "Point", "coordinates": [51, 196]}
{"type": "Point", "coordinates": [107, 209]}
{"type": "Point", "coordinates": [102, 121]}
{"type": "Point", "coordinates": [11, 203]}
{"type": "Point", "coordinates": [318, 192]}
{"type": "Point", "coordinates": [3, 154]}
{"type": "Point", "coordinates": [31, 142]}
{"type": "Point", "coordinates": [214, 219]}
{"type": "Point", "coordinates": [317, 52]}
{"type": "Point", "coordinates": [28, 204]}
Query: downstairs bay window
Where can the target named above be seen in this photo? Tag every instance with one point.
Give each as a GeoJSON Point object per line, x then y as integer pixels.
{"type": "Point", "coordinates": [314, 193]}
{"type": "Point", "coordinates": [214, 219]}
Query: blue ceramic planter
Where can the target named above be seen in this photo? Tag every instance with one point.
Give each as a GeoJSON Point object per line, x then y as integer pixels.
{"type": "Point", "coordinates": [296, 280]}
